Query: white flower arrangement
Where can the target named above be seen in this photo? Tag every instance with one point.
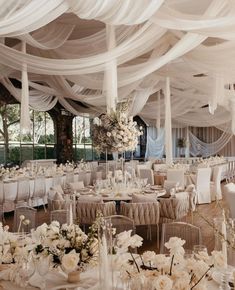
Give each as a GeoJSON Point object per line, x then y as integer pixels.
{"type": "Point", "coordinates": [115, 132]}
{"type": "Point", "coordinates": [13, 245]}
{"type": "Point", "coordinates": [161, 272]}
{"type": "Point", "coordinates": [67, 245]}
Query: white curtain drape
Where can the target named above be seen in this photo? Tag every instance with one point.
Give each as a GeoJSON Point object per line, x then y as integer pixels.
{"type": "Point", "coordinates": [155, 143]}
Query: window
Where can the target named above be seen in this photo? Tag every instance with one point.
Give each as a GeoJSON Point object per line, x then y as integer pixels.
{"type": "Point", "coordinates": [82, 140]}
{"type": "Point", "coordinates": [15, 148]}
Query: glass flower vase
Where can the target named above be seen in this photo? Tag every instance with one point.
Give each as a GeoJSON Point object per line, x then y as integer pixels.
{"type": "Point", "coordinates": [105, 249]}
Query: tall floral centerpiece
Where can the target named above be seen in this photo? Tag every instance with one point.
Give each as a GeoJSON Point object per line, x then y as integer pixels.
{"type": "Point", "coordinates": [115, 132]}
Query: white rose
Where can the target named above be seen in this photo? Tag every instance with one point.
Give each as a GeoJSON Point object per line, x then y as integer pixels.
{"type": "Point", "coordinates": [175, 246]}
{"type": "Point", "coordinates": [182, 284]}
{"type": "Point", "coordinates": [162, 283]}
{"type": "Point", "coordinates": [218, 259]}
{"type": "Point", "coordinates": [70, 261]}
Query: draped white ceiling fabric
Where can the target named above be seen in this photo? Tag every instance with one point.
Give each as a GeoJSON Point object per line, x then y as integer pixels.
{"type": "Point", "coordinates": [67, 58]}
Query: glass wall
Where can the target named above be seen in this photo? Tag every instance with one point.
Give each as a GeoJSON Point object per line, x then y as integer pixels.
{"type": "Point", "coordinates": [82, 139]}
{"type": "Point", "coordinates": [15, 148]}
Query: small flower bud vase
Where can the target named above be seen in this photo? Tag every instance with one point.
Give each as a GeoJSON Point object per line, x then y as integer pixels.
{"type": "Point", "coordinates": [74, 277]}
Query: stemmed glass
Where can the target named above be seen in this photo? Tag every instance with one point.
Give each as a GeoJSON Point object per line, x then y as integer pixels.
{"type": "Point", "coordinates": [27, 269]}
{"type": "Point", "coordinates": [198, 250]}
{"type": "Point", "coordinates": [42, 266]}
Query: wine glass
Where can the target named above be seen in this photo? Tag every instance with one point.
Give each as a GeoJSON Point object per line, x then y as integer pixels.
{"type": "Point", "coordinates": [27, 270]}
{"type": "Point", "coordinates": [42, 266]}
{"type": "Point", "coordinates": [199, 250]}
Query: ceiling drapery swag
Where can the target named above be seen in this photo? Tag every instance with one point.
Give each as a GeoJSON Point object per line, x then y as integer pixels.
{"type": "Point", "coordinates": [168, 130]}
{"type": "Point", "coordinates": [24, 108]}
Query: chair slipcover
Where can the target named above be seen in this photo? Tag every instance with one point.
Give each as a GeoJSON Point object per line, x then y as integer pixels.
{"type": "Point", "coordinates": [87, 212]}
{"type": "Point", "coordinates": [229, 196]}
{"type": "Point", "coordinates": [203, 185]}
{"type": "Point", "coordinates": [174, 208]}
{"type": "Point", "coordinates": [215, 188]}
{"type": "Point", "coordinates": [147, 213]}
{"type": "Point", "coordinates": [176, 175]}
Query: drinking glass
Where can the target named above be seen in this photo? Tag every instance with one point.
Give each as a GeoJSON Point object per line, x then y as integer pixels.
{"type": "Point", "coordinates": [198, 250]}
{"type": "Point", "coordinates": [42, 266]}
{"type": "Point", "coordinates": [27, 270]}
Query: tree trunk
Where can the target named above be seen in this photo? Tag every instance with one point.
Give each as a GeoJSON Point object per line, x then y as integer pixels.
{"type": "Point", "coordinates": [5, 134]}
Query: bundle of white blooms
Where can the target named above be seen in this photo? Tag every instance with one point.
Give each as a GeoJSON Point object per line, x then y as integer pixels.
{"type": "Point", "coordinates": [167, 272]}
{"type": "Point", "coordinates": [115, 132]}
{"type": "Point", "coordinates": [67, 245]}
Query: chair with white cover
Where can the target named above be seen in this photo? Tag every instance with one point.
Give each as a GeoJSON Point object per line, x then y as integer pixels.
{"type": "Point", "coordinates": [143, 214]}
{"type": "Point", "coordinates": [75, 186]}
{"type": "Point", "coordinates": [29, 213]}
{"type": "Point", "coordinates": [174, 174]}
{"type": "Point", "coordinates": [174, 208]}
{"type": "Point", "coordinates": [229, 197]}
{"type": "Point", "coordinates": [59, 215]}
{"type": "Point", "coordinates": [203, 177]}
{"type": "Point", "coordinates": [188, 232]}
{"type": "Point", "coordinates": [121, 223]}
{"type": "Point", "coordinates": [215, 185]}
{"type": "Point", "coordinates": [39, 192]}
{"type": "Point", "coordinates": [147, 173]}
{"type": "Point", "coordinates": [87, 212]}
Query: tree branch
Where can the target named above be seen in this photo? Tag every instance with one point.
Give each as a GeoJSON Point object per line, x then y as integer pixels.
{"type": "Point", "coordinates": [13, 122]}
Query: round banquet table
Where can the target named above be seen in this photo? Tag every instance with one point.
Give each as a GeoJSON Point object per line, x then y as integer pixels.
{"type": "Point", "coordinates": [107, 195]}
{"type": "Point", "coordinates": [89, 281]}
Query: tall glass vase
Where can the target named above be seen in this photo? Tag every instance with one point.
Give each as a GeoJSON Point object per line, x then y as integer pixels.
{"type": "Point", "coordinates": [105, 250]}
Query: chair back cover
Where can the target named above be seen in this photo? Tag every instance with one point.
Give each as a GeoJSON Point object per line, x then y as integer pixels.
{"type": "Point", "coordinates": [216, 193]}
{"type": "Point", "coordinates": [147, 213]}
{"type": "Point", "coordinates": [229, 196]}
{"type": "Point", "coordinates": [203, 185]}
{"type": "Point", "coordinates": [176, 175]}
{"type": "Point", "coordinates": [87, 212]}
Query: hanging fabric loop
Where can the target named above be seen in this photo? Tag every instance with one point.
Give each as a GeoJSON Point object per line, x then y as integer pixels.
{"type": "Point", "coordinates": [168, 130]}
{"type": "Point", "coordinates": [24, 108]}
{"type": "Point", "coordinates": [110, 73]}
